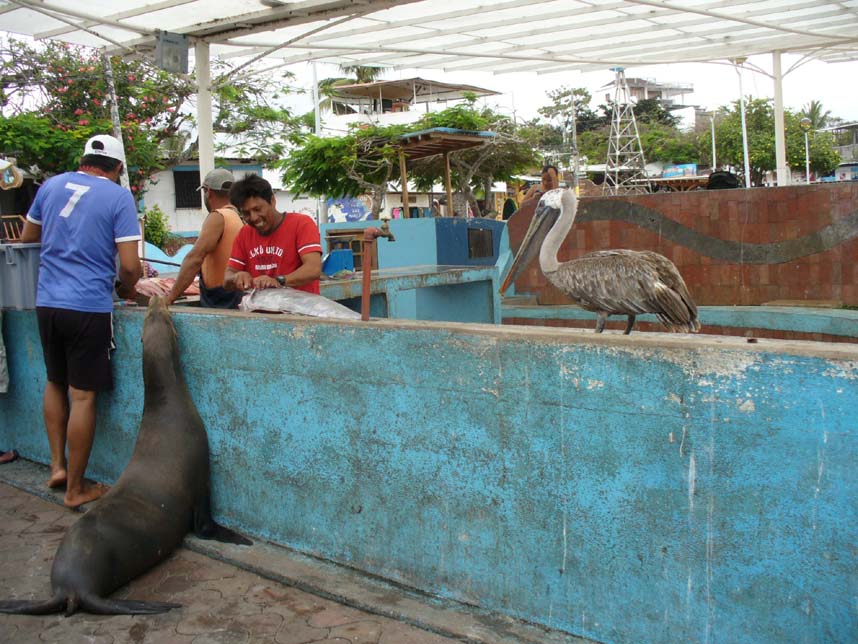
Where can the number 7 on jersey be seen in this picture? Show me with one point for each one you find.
(78, 191)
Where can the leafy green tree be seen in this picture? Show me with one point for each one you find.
(54, 96)
(593, 144)
(541, 135)
(471, 169)
(667, 144)
(157, 228)
(362, 162)
(367, 158)
(759, 116)
(570, 104)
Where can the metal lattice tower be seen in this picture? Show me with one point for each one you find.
(625, 171)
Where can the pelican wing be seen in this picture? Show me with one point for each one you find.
(610, 281)
(685, 315)
(669, 274)
(628, 282)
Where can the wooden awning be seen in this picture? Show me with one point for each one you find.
(441, 140)
(432, 142)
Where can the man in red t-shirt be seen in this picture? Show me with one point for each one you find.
(274, 248)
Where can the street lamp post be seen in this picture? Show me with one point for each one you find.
(712, 123)
(738, 62)
(806, 124)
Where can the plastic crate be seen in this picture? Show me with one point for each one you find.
(338, 260)
(19, 274)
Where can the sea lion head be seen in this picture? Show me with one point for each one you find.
(159, 334)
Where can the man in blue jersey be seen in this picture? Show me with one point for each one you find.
(83, 219)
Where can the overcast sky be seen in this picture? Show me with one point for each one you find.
(835, 85)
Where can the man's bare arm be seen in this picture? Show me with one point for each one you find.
(235, 280)
(210, 235)
(130, 269)
(309, 271)
(31, 233)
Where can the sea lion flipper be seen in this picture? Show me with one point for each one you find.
(102, 606)
(33, 606)
(205, 526)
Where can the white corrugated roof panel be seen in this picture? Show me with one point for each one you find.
(498, 36)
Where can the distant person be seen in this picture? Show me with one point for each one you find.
(83, 219)
(550, 181)
(275, 247)
(211, 251)
(509, 207)
(722, 180)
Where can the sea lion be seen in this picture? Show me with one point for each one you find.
(162, 494)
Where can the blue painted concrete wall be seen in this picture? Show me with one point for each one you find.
(649, 488)
(155, 255)
(430, 241)
(414, 245)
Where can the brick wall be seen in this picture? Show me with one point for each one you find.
(733, 247)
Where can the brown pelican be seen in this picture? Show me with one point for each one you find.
(607, 282)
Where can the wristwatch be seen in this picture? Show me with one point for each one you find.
(281, 279)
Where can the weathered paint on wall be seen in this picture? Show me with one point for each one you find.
(629, 489)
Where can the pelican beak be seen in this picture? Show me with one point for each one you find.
(544, 217)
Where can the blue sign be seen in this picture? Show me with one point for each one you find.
(349, 209)
(679, 170)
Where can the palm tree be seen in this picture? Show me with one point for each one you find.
(362, 74)
(355, 74)
(818, 118)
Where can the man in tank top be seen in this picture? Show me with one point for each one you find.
(210, 253)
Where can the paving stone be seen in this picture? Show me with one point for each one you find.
(265, 594)
(231, 635)
(366, 631)
(175, 584)
(400, 633)
(334, 615)
(46, 521)
(159, 636)
(299, 632)
(221, 604)
(87, 632)
(198, 601)
(16, 525)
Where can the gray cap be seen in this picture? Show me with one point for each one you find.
(218, 179)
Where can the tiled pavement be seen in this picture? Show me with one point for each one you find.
(220, 602)
(229, 594)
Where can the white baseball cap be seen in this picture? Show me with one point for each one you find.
(105, 145)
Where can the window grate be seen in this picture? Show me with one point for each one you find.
(186, 183)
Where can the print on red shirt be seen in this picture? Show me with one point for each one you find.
(278, 253)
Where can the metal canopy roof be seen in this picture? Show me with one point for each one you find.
(501, 36)
(417, 89)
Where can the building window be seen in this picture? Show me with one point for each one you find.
(186, 183)
(480, 243)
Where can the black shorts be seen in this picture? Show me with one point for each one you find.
(77, 347)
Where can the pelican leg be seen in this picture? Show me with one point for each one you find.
(600, 322)
(630, 325)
